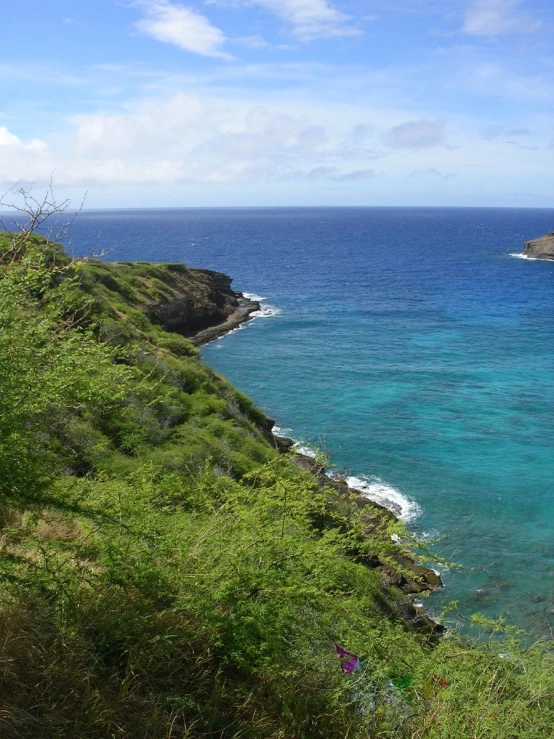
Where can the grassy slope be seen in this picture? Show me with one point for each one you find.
(185, 580)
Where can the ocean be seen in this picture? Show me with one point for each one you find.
(412, 347)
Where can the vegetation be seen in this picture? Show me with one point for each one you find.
(165, 573)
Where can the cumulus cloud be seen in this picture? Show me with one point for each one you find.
(149, 126)
(23, 160)
(34, 161)
(421, 134)
(495, 17)
(187, 138)
(9, 141)
(183, 27)
(267, 135)
(183, 138)
(310, 19)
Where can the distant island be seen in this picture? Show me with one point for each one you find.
(540, 248)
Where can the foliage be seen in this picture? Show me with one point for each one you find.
(50, 366)
(166, 574)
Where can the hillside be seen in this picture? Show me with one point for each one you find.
(168, 573)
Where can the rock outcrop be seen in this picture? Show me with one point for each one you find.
(540, 248)
(201, 306)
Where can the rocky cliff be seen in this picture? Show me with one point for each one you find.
(201, 305)
(540, 248)
(198, 304)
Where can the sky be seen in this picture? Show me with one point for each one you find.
(159, 103)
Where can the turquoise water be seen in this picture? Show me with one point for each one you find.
(414, 348)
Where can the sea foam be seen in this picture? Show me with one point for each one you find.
(279, 431)
(254, 296)
(265, 311)
(371, 487)
(307, 451)
(524, 256)
(375, 489)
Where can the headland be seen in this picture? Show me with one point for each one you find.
(540, 248)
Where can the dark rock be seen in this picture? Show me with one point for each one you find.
(390, 576)
(283, 444)
(541, 248)
(201, 306)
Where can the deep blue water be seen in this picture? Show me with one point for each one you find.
(412, 347)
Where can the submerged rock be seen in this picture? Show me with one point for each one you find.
(540, 248)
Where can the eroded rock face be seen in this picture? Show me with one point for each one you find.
(200, 299)
(201, 305)
(541, 248)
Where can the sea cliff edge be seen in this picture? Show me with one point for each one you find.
(407, 576)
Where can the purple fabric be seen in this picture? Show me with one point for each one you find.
(350, 665)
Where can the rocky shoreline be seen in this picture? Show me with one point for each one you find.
(241, 314)
(199, 304)
(409, 578)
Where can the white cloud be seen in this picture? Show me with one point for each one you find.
(182, 26)
(148, 126)
(12, 145)
(9, 141)
(268, 135)
(188, 138)
(23, 160)
(212, 141)
(310, 19)
(416, 135)
(494, 17)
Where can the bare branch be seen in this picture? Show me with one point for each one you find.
(43, 215)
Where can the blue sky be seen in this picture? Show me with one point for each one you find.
(152, 103)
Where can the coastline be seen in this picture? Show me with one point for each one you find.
(410, 578)
(531, 258)
(243, 313)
